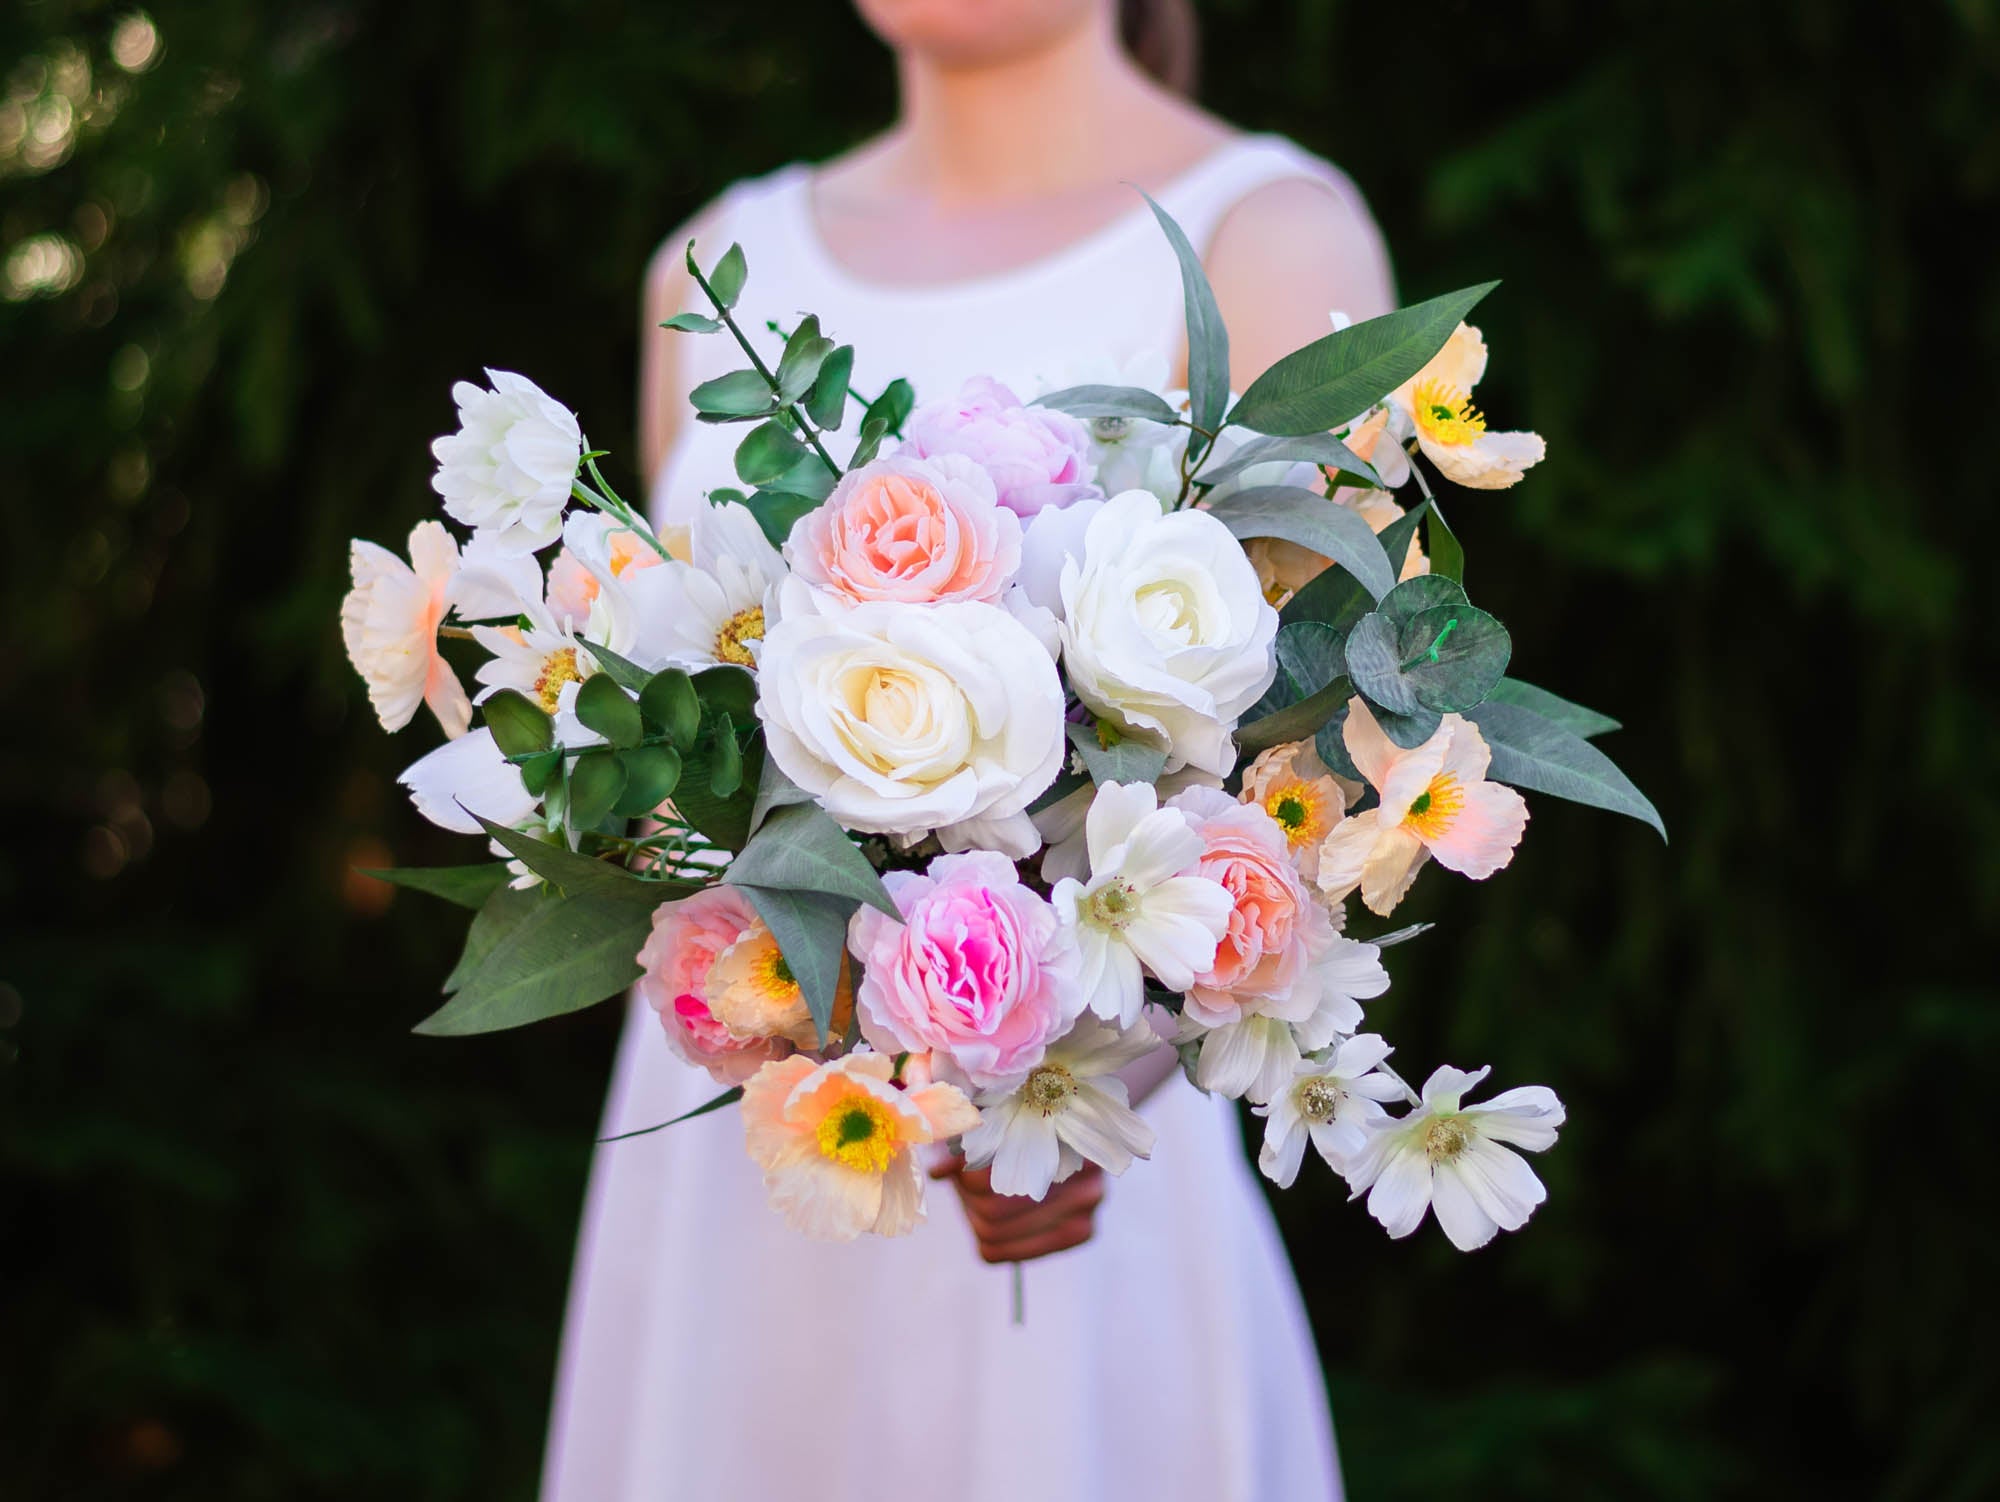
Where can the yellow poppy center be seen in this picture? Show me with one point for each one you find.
(732, 641)
(1445, 1137)
(1446, 414)
(558, 668)
(859, 1133)
(774, 976)
(1300, 810)
(1433, 810)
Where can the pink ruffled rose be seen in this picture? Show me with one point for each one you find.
(1037, 456)
(980, 976)
(921, 531)
(677, 956)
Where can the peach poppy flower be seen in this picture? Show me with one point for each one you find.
(1437, 402)
(752, 993)
(1435, 801)
(389, 622)
(835, 1139)
(1299, 791)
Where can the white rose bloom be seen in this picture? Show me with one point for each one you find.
(1071, 1109)
(1166, 629)
(507, 471)
(902, 719)
(1330, 1103)
(1456, 1159)
(1138, 909)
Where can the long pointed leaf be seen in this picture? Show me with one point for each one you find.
(1322, 449)
(468, 886)
(1312, 521)
(799, 847)
(811, 930)
(564, 954)
(1207, 339)
(1538, 754)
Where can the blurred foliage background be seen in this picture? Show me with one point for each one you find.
(259, 1242)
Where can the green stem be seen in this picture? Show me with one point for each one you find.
(1431, 653)
(569, 751)
(810, 433)
(1020, 1296)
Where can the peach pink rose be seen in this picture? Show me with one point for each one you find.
(1037, 456)
(687, 937)
(980, 975)
(922, 531)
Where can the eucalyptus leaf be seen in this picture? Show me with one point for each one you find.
(873, 430)
(808, 476)
(467, 886)
(1207, 338)
(805, 352)
(624, 672)
(767, 451)
(519, 727)
(691, 323)
(561, 954)
(538, 771)
(811, 930)
(1375, 663)
(1310, 655)
(1336, 378)
(777, 513)
(1407, 730)
(606, 708)
(669, 701)
(1330, 741)
(1572, 717)
(1454, 655)
(1322, 449)
(726, 281)
(725, 764)
(596, 781)
(1313, 522)
(1540, 755)
(1415, 595)
(893, 406)
(723, 822)
(741, 393)
(1335, 596)
(1300, 721)
(1124, 760)
(1134, 403)
(727, 690)
(799, 847)
(651, 775)
(826, 403)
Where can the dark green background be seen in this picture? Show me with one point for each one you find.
(259, 1242)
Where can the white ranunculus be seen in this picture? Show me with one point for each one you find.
(1166, 629)
(507, 471)
(902, 719)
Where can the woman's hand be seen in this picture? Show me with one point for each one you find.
(1013, 1228)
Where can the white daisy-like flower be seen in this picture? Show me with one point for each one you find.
(1072, 1109)
(1330, 1103)
(1141, 908)
(1456, 1159)
(465, 777)
(542, 661)
(712, 609)
(508, 469)
(389, 622)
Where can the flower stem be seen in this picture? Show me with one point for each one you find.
(798, 414)
(1020, 1295)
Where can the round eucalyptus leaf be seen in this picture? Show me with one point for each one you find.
(606, 708)
(519, 727)
(1375, 664)
(651, 774)
(669, 701)
(1419, 594)
(595, 783)
(1455, 654)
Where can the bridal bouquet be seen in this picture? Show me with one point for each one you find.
(974, 748)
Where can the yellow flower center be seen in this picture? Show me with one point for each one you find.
(774, 978)
(1434, 809)
(1113, 904)
(860, 1134)
(1445, 1137)
(1445, 413)
(1300, 810)
(558, 668)
(742, 628)
(1318, 1099)
(1047, 1089)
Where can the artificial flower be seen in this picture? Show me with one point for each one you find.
(676, 960)
(1037, 457)
(1072, 1109)
(979, 975)
(714, 608)
(1165, 629)
(901, 719)
(1330, 1103)
(751, 991)
(1434, 801)
(834, 1141)
(923, 531)
(1456, 1159)
(465, 777)
(389, 621)
(1291, 784)
(587, 577)
(508, 469)
(1436, 405)
(1141, 908)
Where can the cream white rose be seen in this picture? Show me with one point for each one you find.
(901, 719)
(1166, 629)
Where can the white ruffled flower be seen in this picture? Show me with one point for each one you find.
(465, 777)
(589, 579)
(1072, 1109)
(389, 622)
(508, 469)
(1166, 629)
(901, 719)
(1330, 1103)
(1140, 908)
(1456, 1159)
(716, 607)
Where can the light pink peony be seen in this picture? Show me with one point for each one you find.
(980, 975)
(923, 531)
(687, 936)
(1037, 456)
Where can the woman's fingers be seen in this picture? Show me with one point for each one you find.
(1013, 1228)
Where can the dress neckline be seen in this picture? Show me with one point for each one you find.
(798, 196)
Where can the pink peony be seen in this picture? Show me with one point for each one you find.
(923, 531)
(687, 937)
(980, 974)
(1037, 456)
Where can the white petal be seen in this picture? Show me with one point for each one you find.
(1458, 1210)
(1403, 1192)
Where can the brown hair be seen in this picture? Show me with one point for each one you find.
(1163, 39)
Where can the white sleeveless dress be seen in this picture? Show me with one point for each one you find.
(712, 1353)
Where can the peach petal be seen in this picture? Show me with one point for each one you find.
(1483, 833)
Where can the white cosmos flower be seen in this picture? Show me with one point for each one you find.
(1166, 629)
(465, 777)
(507, 471)
(389, 622)
(1456, 1159)
(1142, 908)
(542, 661)
(1071, 1109)
(714, 608)
(1330, 1103)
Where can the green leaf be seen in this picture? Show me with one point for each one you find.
(651, 774)
(798, 847)
(724, 822)
(1133, 403)
(595, 783)
(567, 871)
(1207, 339)
(1309, 652)
(725, 764)
(1312, 521)
(624, 672)
(1540, 755)
(1375, 663)
(497, 917)
(1572, 717)
(826, 403)
(726, 281)
(1322, 449)
(669, 701)
(811, 930)
(1413, 596)
(691, 323)
(727, 690)
(873, 430)
(728, 1097)
(606, 708)
(468, 886)
(893, 406)
(1330, 741)
(538, 771)
(1124, 760)
(774, 790)
(741, 393)
(519, 727)
(1335, 379)
(808, 477)
(766, 452)
(1335, 596)
(563, 953)
(1447, 557)
(777, 513)
(1295, 722)
(1456, 654)
(805, 352)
